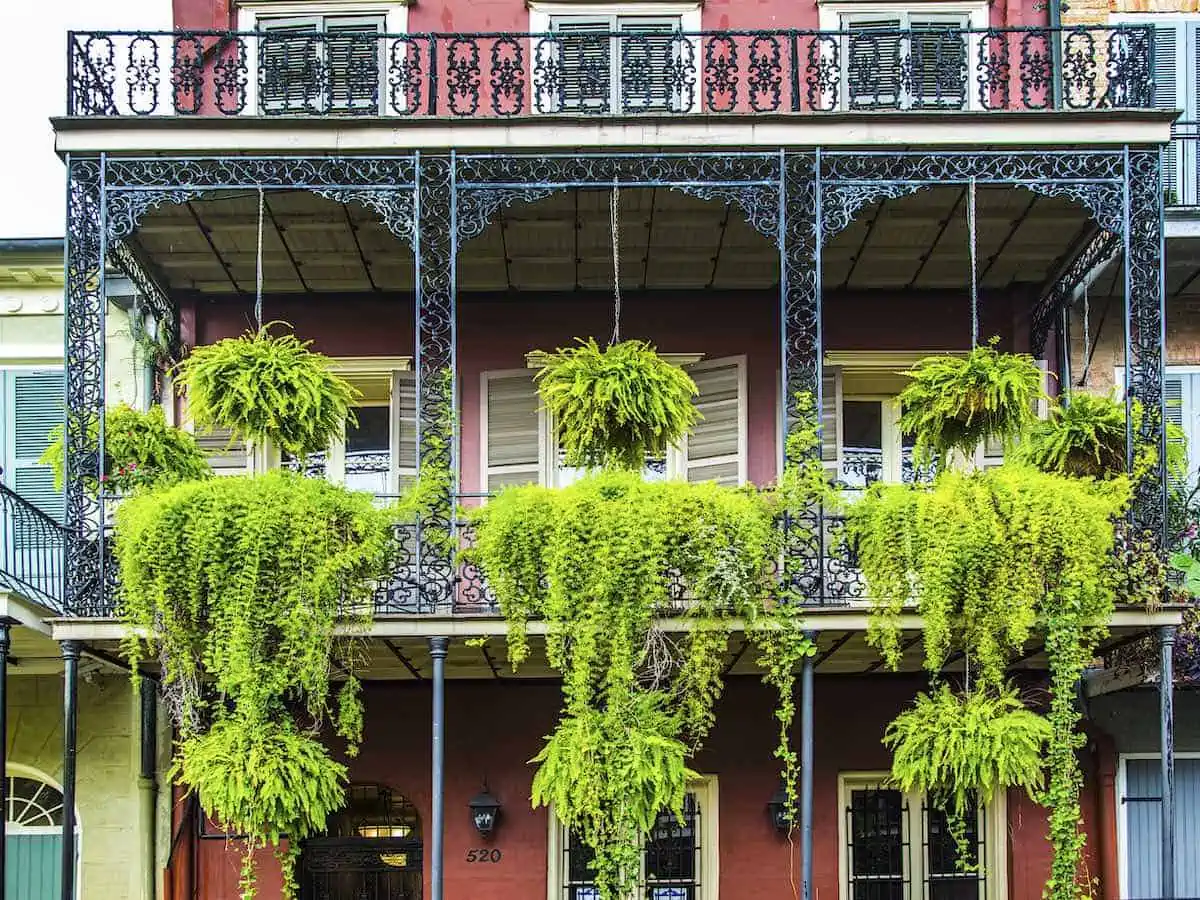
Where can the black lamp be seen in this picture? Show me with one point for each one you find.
(777, 809)
(485, 811)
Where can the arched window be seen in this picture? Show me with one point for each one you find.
(33, 813)
(371, 848)
(32, 804)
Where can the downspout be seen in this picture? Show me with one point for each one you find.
(806, 774)
(437, 652)
(70, 655)
(148, 789)
(1166, 722)
(1056, 11)
(6, 623)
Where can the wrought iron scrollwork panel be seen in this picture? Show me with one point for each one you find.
(393, 206)
(285, 172)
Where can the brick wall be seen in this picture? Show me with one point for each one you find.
(1107, 350)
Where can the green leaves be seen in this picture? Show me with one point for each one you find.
(618, 406)
(267, 388)
(954, 402)
(1084, 437)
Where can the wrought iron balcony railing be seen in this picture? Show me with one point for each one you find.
(507, 75)
(32, 551)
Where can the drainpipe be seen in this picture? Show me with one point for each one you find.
(806, 774)
(70, 655)
(437, 652)
(6, 623)
(1166, 721)
(1056, 11)
(148, 787)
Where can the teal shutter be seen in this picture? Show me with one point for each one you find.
(33, 867)
(35, 402)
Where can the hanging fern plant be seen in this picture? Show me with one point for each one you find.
(1083, 437)
(618, 406)
(140, 450)
(239, 585)
(267, 388)
(962, 748)
(954, 403)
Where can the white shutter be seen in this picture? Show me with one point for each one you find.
(354, 51)
(644, 74)
(585, 56)
(290, 66)
(1176, 393)
(225, 455)
(512, 430)
(938, 53)
(873, 55)
(404, 426)
(37, 403)
(1170, 76)
(831, 419)
(716, 448)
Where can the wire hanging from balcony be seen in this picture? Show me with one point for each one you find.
(614, 204)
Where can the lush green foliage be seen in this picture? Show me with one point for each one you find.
(240, 584)
(960, 748)
(597, 561)
(617, 406)
(953, 403)
(986, 557)
(267, 388)
(1085, 437)
(140, 450)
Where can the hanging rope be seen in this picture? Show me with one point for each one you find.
(258, 272)
(613, 205)
(974, 264)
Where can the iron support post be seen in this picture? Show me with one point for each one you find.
(148, 783)
(807, 670)
(1166, 719)
(70, 654)
(437, 652)
(6, 623)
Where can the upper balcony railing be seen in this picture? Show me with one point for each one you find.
(507, 75)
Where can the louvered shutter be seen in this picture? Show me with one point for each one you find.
(873, 56)
(512, 430)
(1169, 54)
(585, 73)
(938, 54)
(991, 452)
(1181, 412)
(831, 419)
(404, 426)
(646, 50)
(37, 404)
(716, 449)
(354, 52)
(225, 455)
(291, 67)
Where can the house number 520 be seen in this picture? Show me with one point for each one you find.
(483, 856)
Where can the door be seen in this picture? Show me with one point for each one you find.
(33, 840)
(1141, 809)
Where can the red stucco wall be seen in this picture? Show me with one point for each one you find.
(493, 728)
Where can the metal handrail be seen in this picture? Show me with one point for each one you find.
(32, 551)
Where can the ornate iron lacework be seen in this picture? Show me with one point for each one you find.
(1100, 248)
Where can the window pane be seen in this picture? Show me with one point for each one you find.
(671, 851)
(877, 844)
(368, 449)
(862, 442)
(947, 880)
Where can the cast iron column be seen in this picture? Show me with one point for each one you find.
(437, 652)
(70, 654)
(6, 623)
(806, 773)
(1166, 719)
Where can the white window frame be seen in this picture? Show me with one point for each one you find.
(1120, 788)
(993, 818)
(250, 15)
(890, 436)
(19, 770)
(543, 16)
(834, 15)
(707, 793)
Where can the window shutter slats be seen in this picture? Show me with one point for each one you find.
(225, 455)
(404, 412)
(585, 50)
(290, 65)
(1167, 40)
(938, 54)
(716, 448)
(353, 48)
(37, 408)
(831, 404)
(873, 55)
(646, 50)
(512, 452)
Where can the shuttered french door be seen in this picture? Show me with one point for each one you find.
(1141, 812)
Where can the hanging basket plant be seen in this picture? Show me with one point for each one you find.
(267, 388)
(615, 407)
(140, 450)
(954, 403)
(961, 748)
(1083, 437)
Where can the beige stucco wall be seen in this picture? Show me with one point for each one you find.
(107, 766)
(1095, 12)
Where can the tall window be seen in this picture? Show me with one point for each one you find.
(320, 64)
(898, 846)
(678, 861)
(905, 60)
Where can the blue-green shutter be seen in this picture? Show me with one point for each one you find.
(33, 867)
(35, 401)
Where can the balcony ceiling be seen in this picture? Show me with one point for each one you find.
(668, 241)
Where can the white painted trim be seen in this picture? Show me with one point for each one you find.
(30, 356)
(572, 134)
(1120, 787)
(28, 613)
(395, 21)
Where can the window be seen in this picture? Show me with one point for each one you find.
(319, 64)
(898, 846)
(601, 60)
(34, 826)
(1139, 828)
(898, 57)
(1176, 86)
(1181, 396)
(516, 435)
(679, 861)
(31, 404)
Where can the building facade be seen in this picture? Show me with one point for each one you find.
(786, 197)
